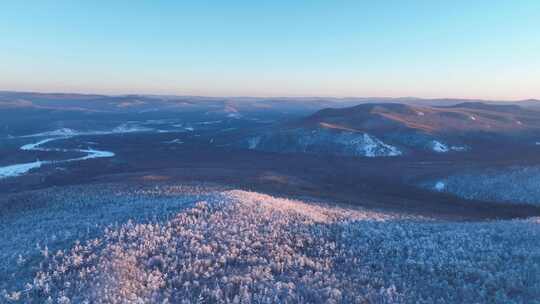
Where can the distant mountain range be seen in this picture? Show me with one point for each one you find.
(370, 127)
(394, 129)
(455, 119)
(155, 103)
(148, 103)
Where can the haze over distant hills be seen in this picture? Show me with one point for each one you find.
(356, 126)
(141, 103)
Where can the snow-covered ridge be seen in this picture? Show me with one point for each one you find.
(511, 185)
(323, 141)
(347, 143)
(222, 249)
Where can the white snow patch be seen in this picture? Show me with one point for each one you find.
(234, 115)
(128, 128)
(458, 148)
(184, 127)
(369, 146)
(439, 147)
(209, 122)
(66, 132)
(174, 141)
(374, 147)
(158, 121)
(439, 186)
(59, 132)
(254, 142)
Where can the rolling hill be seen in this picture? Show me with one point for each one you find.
(394, 129)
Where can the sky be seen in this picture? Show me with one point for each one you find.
(433, 49)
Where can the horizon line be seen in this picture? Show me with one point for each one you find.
(87, 93)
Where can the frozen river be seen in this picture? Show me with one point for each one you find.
(20, 169)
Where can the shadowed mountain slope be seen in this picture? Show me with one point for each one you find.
(393, 129)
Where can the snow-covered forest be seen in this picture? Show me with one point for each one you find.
(200, 243)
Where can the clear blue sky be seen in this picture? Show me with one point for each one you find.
(471, 49)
